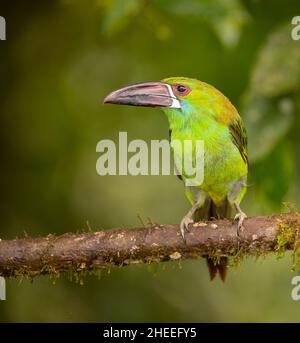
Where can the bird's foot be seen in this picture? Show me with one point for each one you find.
(239, 220)
(184, 225)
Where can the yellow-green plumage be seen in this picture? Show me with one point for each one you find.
(206, 114)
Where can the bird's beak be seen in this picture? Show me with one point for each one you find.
(148, 94)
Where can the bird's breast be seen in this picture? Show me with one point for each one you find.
(222, 161)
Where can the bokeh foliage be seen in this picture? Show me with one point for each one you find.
(59, 61)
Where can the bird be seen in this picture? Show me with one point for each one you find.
(195, 111)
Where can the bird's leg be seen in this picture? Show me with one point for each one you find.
(188, 218)
(239, 218)
(235, 197)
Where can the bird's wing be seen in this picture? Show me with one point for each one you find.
(239, 137)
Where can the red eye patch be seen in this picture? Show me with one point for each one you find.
(181, 89)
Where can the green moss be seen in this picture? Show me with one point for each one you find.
(237, 256)
(288, 238)
(284, 239)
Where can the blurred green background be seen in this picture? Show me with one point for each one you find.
(59, 61)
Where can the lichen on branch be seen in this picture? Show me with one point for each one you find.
(77, 253)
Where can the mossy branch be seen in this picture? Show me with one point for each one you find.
(158, 243)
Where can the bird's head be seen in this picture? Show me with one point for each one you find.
(179, 97)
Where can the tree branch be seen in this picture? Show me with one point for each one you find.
(158, 243)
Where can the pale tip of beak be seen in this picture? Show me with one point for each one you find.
(107, 99)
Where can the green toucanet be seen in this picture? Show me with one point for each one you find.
(198, 111)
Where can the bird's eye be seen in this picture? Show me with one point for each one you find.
(181, 90)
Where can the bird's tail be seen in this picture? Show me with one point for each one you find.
(207, 212)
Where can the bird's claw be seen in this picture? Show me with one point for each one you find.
(184, 225)
(239, 220)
